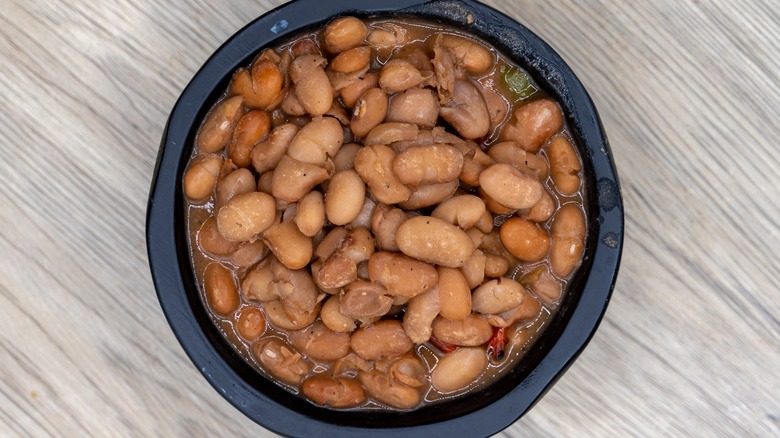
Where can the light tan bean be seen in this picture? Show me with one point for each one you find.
(497, 105)
(464, 211)
(524, 239)
(344, 33)
(291, 105)
(250, 129)
(265, 182)
(293, 179)
(218, 127)
(565, 166)
(365, 301)
(510, 187)
(467, 111)
(474, 269)
(333, 318)
(374, 165)
(459, 369)
(201, 177)
(533, 123)
(248, 253)
(542, 210)
(400, 274)
(370, 110)
(292, 248)
(420, 313)
(523, 314)
(444, 67)
(399, 75)
(388, 390)
(416, 105)
(336, 392)
(345, 158)
(330, 243)
(434, 164)
(391, 132)
(246, 215)
(468, 332)
(435, 241)
(470, 55)
(235, 183)
(263, 86)
(495, 265)
(492, 205)
(454, 294)
(281, 360)
(312, 86)
(211, 241)
(221, 292)
(317, 141)
(496, 296)
(318, 342)
(277, 315)
(381, 340)
(384, 223)
(544, 285)
(485, 223)
(474, 162)
(256, 285)
(351, 60)
(251, 323)
(352, 92)
(510, 152)
(363, 218)
(429, 194)
(568, 239)
(340, 268)
(266, 155)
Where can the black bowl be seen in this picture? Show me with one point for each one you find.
(481, 413)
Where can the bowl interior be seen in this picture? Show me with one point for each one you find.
(501, 402)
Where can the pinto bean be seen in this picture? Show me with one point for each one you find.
(370, 110)
(363, 218)
(364, 300)
(333, 318)
(233, 184)
(256, 285)
(345, 197)
(317, 141)
(248, 253)
(216, 130)
(485, 223)
(400, 274)
(391, 132)
(474, 162)
(381, 340)
(429, 194)
(330, 243)
(565, 166)
(533, 123)
(277, 315)
(459, 369)
(444, 67)
(345, 157)
(289, 245)
(351, 93)
(263, 86)
(544, 285)
(267, 154)
(221, 292)
(467, 111)
(291, 105)
(384, 223)
(310, 214)
(281, 360)
(336, 392)
(420, 313)
(389, 391)
(251, 323)
(246, 215)
(523, 314)
(454, 293)
(293, 179)
(464, 211)
(399, 75)
(471, 331)
(343, 34)
(542, 210)
(415, 105)
(435, 241)
(250, 129)
(469, 55)
(510, 187)
(351, 60)
(494, 206)
(434, 164)
(201, 177)
(340, 268)
(524, 239)
(495, 265)
(497, 106)
(211, 241)
(496, 296)
(510, 152)
(568, 239)
(312, 86)
(318, 342)
(374, 165)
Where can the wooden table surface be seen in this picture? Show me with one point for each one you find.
(689, 96)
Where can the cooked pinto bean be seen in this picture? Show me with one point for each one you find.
(391, 132)
(331, 242)
(384, 223)
(251, 323)
(201, 177)
(248, 253)
(310, 214)
(467, 111)
(468, 332)
(510, 187)
(495, 265)
(542, 210)
(429, 194)
(435, 241)
(510, 152)
(281, 361)
(246, 215)
(293, 179)
(524, 239)
(565, 166)
(345, 197)
(233, 184)
(401, 275)
(345, 158)
(344, 33)
(267, 154)
(381, 340)
(280, 317)
(216, 131)
(434, 164)
(370, 110)
(420, 313)
(351, 93)
(336, 392)
(256, 285)
(374, 164)
(211, 240)
(389, 391)
(221, 292)
(333, 318)
(340, 268)
(351, 60)
(533, 123)
(459, 369)
(289, 245)
(399, 75)
(543, 284)
(364, 300)
(263, 86)
(454, 293)
(312, 86)
(525, 313)
(320, 343)
(416, 105)
(469, 55)
(250, 129)
(568, 239)
(497, 296)
(318, 141)
(464, 211)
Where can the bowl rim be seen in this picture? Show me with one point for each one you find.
(163, 235)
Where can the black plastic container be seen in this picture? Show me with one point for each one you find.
(481, 413)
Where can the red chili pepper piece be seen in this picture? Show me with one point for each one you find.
(446, 347)
(497, 342)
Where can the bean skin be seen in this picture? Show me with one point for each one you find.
(281, 360)
(467, 112)
(565, 166)
(336, 392)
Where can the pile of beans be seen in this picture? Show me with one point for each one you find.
(377, 218)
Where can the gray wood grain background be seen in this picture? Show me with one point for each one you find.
(689, 96)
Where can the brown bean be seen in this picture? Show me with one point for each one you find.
(468, 332)
(317, 141)
(277, 315)
(386, 37)
(333, 318)
(370, 110)
(467, 111)
(434, 164)
(336, 392)
(420, 313)
(523, 314)
(256, 285)
(340, 267)
(496, 296)
(497, 106)
(291, 105)
(459, 369)
(389, 391)
(312, 86)
(363, 218)
(435, 241)
(544, 285)
(399, 75)
(235, 183)
(251, 323)
(216, 130)
(464, 211)
(533, 123)
(246, 215)
(429, 194)
(495, 265)
(400, 274)
(381, 340)
(374, 165)
(330, 243)
(524, 239)
(281, 360)
(454, 294)
(409, 370)
(344, 33)
(416, 105)
(211, 241)
(493, 206)
(391, 132)
(310, 215)
(293, 179)
(221, 292)
(474, 269)
(248, 253)
(250, 129)
(264, 183)
(201, 177)
(485, 223)
(568, 239)
(565, 166)
(345, 157)
(318, 342)
(510, 187)
(352, 92)
(351, 60)
(262, 86)
(384, 223)
(470, 55)
(266, 155)
(292, 248)
(365, 301)
(510, 152)
(444, 67)
(542, 210)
